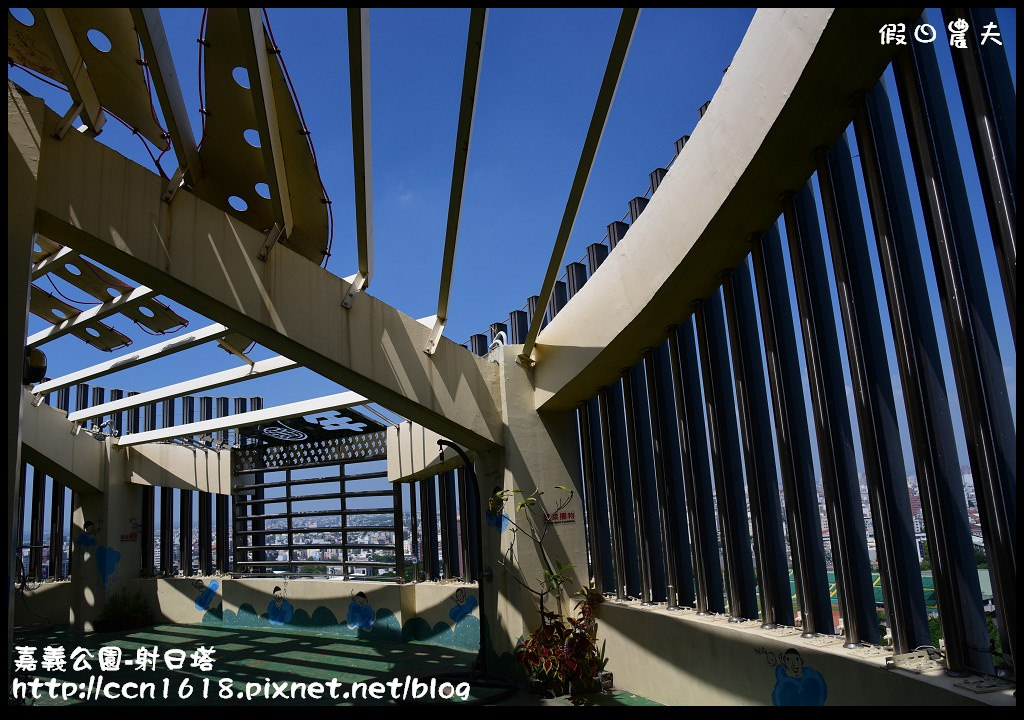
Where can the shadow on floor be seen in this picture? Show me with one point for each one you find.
(263, 663)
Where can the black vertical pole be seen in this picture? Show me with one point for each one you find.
(597, 253)
(117, 419)
(831, 421)
(636, 206)
(414, 528)
(616, 232)
(666, 525)
(518, 326)
(981, 384)
(917, 357)
(884, 470)
(475, 512)
(589, 500)
(990, 104)
(465, 535)
(798, 485)
(575, 277)
(447, 569)
(700, 507)
(758, 451)
(725, 456)
(56, 530)
(638, 491)
(430, 534)
(611, 491)
(35, 553)
(399, 524)
(559, 297)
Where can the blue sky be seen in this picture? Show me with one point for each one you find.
(541, 71)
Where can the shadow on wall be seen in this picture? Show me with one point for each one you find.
(361, 620)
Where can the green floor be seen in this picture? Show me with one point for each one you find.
(259, 656)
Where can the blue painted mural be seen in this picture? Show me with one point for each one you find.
(279, 611)
(360, 614)
(360, 621)
(106, 563)
(207, 595)
(795, 683)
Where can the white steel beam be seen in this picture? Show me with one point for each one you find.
(603, 106)
(110, 307)
(262, 368)
(168, 91)
(362, 152)
(338, 401)
(470, 81)
(46, 264)
(258, 64)
(169, 347)
(72, 68)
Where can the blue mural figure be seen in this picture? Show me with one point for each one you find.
(494, 517)
(360, 614)
(207, 595)
(463, 605)
(87, 538)
(796, 684)
(279, 611)
(106, 562)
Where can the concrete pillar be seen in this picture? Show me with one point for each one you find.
(24, 140)
(106, 539)
(540, 453)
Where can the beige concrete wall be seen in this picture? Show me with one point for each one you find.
(47, 603)
(413, 453)
(681, 659)
(76, 460)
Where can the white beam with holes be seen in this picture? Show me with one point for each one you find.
(72, 67)
(47, 263)
(258, 64)
(169, 347)
(263, 368)
(339, 401)
(110, 307)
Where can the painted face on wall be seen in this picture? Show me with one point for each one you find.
(91, 528)
(460, 596)
(793, 663)
(360, 599)
(278, 597)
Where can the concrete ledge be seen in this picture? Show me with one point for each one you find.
(785, 94)
(177, 466)
(680, 658)
(413, 453)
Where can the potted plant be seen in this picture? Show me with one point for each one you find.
(561, 656)
(124, 611)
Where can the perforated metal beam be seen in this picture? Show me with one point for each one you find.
(110, 307)
(211, 332)
(72, 68)
(338, 401)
